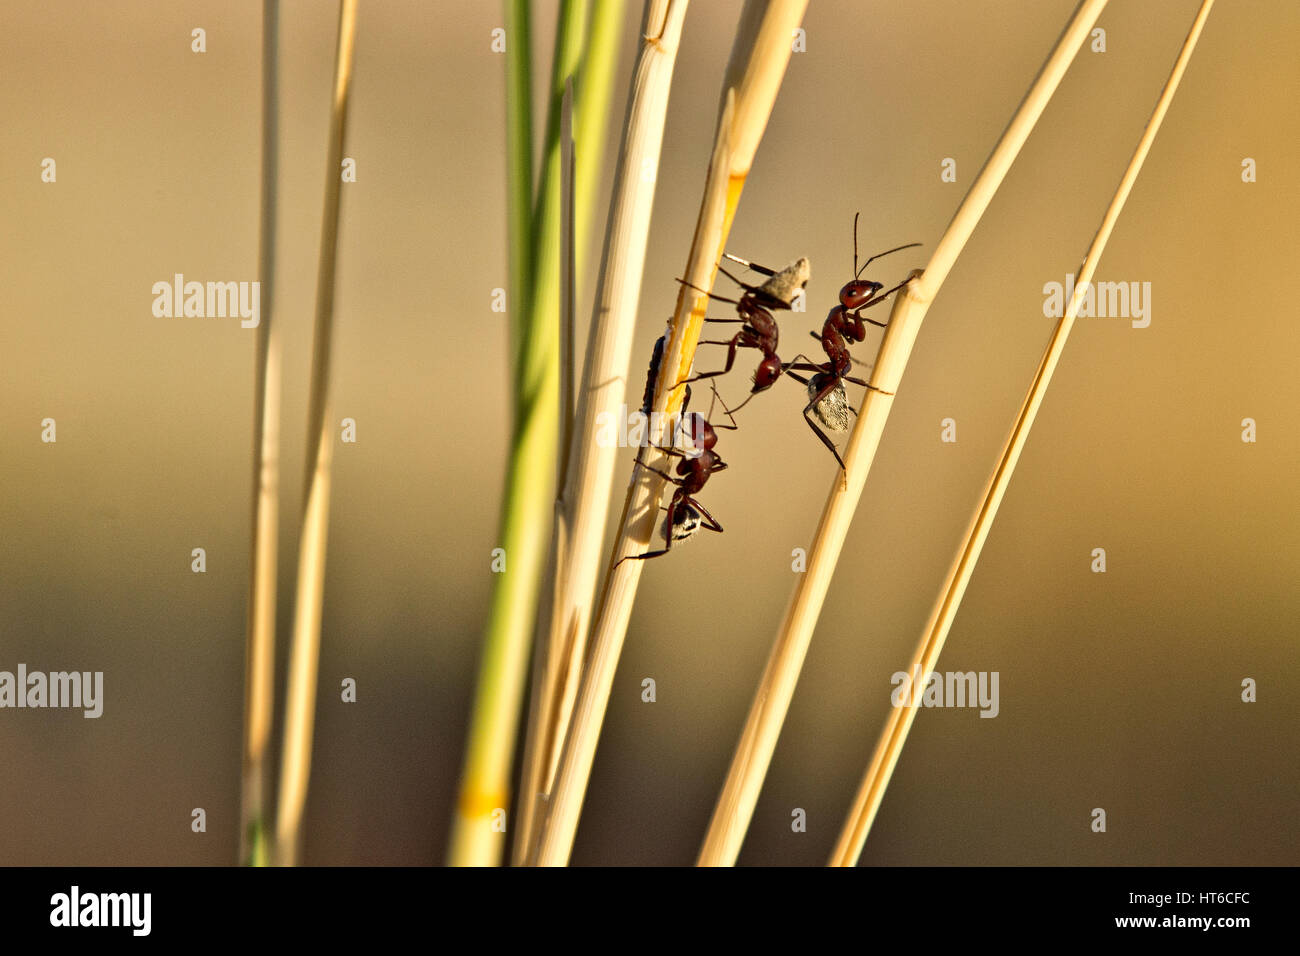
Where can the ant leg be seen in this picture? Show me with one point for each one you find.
(825, 390)
(858, 381)
(642, 557)
(822, 435)
(672, 450)
(667, 450)
(806, 365)
(661, 474)
(707, 520)
(791, 363)
(727, 411)
(731, 360)
(678, 497)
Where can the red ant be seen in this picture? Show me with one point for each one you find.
(758, 329)
(844, 324)
(685, 514)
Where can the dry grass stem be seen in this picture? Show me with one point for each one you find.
(259, 648)
(753, 755)
(295, 765)
(758, 62)
(568, 280)
(584, 494)
(529, 498)
(872, 790)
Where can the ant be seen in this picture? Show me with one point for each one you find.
(844, 324)
(685, 514)
(758, 326)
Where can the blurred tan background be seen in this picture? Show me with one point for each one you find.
(1119, 691)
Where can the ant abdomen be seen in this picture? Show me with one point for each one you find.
(682, 523)
(833, 409)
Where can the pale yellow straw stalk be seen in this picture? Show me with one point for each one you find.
(300, 713)
(584, 55)
(872, 791)
(753, 754)
(583, 502)
(759, 58)
(259, 648)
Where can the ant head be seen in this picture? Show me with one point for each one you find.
(696, 428)
(857, 293)
(767, 373)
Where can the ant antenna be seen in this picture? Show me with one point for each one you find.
(910, 245)
(732, 278)
(856, 271)
(762, 270)
(732, 411)
(717, 298)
